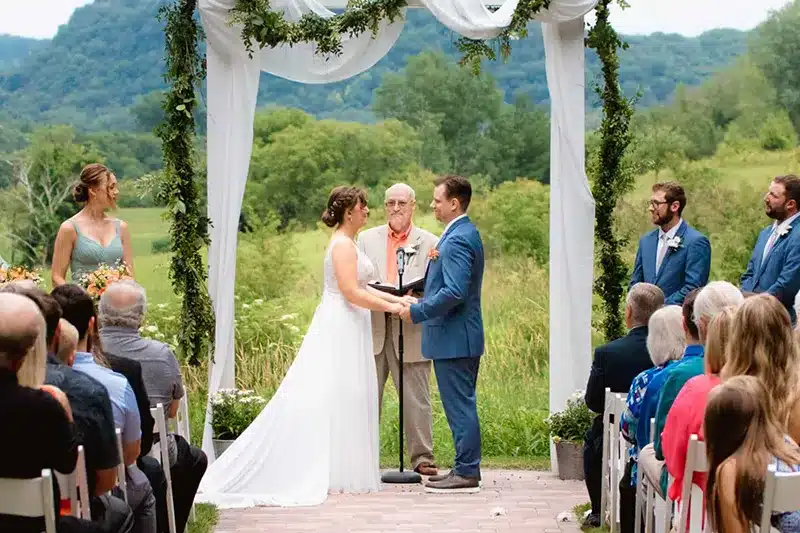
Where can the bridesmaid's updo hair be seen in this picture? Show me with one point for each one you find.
(341, 200)
(91, 176)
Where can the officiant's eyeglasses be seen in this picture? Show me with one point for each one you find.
(395, 203)
(656, 203)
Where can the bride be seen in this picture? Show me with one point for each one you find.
(319, 432)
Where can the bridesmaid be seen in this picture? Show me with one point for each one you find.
(92, 237)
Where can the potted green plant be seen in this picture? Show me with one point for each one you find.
(232, 411)
(567, 429)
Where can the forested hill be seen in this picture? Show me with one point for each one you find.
(14, 50)
(111, 52)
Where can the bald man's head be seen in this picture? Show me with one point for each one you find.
(123, 304)
(47, 305)
(21, 325)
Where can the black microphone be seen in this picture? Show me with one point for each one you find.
(401, 261)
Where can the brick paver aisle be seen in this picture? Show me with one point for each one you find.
(512, 501)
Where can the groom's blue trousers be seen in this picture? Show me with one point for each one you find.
(457, 380)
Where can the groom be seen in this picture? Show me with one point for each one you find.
(453, 328)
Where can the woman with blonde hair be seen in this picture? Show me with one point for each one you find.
(762, 344)
(91, 237)
(685, 417)
(743, 438)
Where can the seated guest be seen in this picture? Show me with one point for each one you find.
(649, 401)
(763, 345)
(150, 467)
(78, 309)
(67, 341)
(710, 301)
(615, 365)
(94, 421)
(665, 344)
(38, 420)
(743, 437)
(122, 309)
(685, 418)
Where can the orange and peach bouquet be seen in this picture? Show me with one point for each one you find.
(9, 274)
(98, 281)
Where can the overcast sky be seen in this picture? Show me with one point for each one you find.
(41, 18)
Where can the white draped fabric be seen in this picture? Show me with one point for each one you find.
(232, 87)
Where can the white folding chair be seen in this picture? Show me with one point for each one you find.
(182, 428)
(619, 457)
(162, 455)
(691, 494)
(75, 488)
(121, 468)
(651, 497)
(30, 498)
(781, 495)
(648, 489)
(182, 420)
(83, 484)
(641, 494)
(605, 476)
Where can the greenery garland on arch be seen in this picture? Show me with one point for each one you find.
(612, 177)
(185, 68)
(267, 28)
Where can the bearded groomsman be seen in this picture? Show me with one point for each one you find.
(774, 267)
(675, 257)
(380, 244)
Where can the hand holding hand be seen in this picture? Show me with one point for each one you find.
(409, 300)
(405, 314)
(396, 308)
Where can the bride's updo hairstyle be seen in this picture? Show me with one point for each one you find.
(341, 200)
(92, 176)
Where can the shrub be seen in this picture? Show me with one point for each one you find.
(777, 132)
(160, 245)
(513, 219)
(268, 266)
(572, 423)
(232, 411)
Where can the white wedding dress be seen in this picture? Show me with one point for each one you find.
(319, 432)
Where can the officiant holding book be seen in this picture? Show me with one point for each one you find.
(381, 245)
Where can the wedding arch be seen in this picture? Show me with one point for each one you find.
(304, 41)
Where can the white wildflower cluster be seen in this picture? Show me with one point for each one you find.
(246, 396)
(578, 395)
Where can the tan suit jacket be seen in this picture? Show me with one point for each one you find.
(373, 243)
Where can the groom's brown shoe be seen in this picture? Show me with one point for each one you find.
(440, 477)
(454, 483)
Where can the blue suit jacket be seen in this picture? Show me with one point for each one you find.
(779, 275)
(451, 308)
(682, 270)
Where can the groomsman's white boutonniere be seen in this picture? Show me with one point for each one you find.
(674, 242)
(411, 251)
(784, 231)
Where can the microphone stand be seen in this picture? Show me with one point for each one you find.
(401, 476)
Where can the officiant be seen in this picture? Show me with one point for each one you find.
(381, 244)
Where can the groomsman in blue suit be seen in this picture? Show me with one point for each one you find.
(675, 257)
(774, 267)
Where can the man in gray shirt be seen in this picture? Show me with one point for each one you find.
(122, 310)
